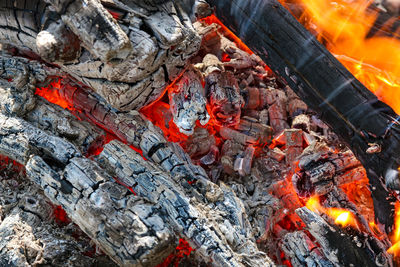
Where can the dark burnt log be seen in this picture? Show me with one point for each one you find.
(327, 87)
(349, 250)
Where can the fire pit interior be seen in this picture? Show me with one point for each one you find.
(199, 133)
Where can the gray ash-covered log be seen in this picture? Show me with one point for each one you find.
(35, 232)
(128, 62)
(224, 239)
(86, 191)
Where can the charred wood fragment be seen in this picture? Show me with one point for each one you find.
(320, 170)
(222, 90)
(188, 103)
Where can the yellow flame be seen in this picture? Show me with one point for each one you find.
(341, 217)
(344, 26)
(395, 238)
(395, 249)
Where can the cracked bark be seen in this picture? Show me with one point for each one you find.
(128, 62)
(131, 229)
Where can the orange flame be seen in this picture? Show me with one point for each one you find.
(395, 238)
(343, 26)
(341, 217)
(52, 94)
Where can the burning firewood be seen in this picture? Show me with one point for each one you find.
(359, 251)
(165, 140)
(356, 115)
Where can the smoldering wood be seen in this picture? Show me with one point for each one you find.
(222, 90)
(357, 250)
(320, 170)
(150, 60)
(71, 190)
(130, 127)
(353, 112)
(188, 102)
(256, 213)
(23, 139)
(224, 242)
(77, 184)
(128, 228)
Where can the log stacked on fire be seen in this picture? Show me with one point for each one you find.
(221, 153)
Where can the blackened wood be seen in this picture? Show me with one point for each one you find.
(354, 113)
(348, 250)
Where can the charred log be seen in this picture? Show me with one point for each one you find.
(357, 251)
(354, 113)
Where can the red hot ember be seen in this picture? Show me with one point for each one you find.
(224, 111)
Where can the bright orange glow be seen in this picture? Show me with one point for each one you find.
(395, 238)
(341, 217)
(343, 26)
(359, 193)
(160, 115)
(377, 232)
(52, 94)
